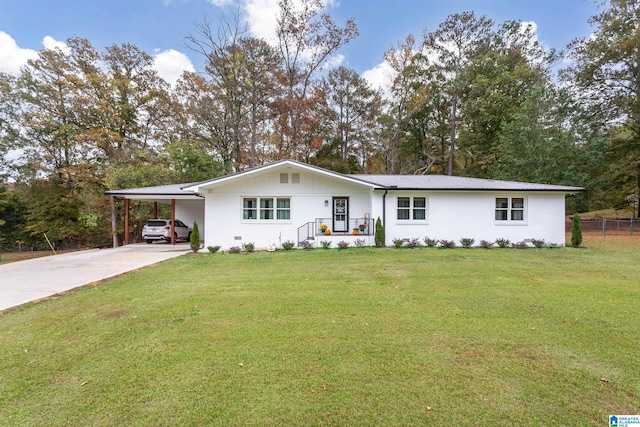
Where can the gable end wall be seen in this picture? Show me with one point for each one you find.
(224, 207)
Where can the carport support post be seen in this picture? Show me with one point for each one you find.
(155, 209)
(173, 221)
(126, 221)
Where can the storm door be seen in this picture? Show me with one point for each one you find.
(341, 214)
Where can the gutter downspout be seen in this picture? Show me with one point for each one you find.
(384, 208)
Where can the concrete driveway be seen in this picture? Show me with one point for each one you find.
(33, 279)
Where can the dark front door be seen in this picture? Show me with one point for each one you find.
(341, 214)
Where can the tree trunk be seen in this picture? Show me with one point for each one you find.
(254, 130)
(114, 222)
(452, 145)
(637, 204)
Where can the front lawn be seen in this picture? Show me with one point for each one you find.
(326, 337)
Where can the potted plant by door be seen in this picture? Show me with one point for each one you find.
(323, 228)
(361, 228)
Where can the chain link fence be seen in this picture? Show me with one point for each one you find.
(608, 227)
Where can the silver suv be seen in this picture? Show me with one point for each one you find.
(160, 229)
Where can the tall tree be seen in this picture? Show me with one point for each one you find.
(415, 126)
(52, 115)
(208, 124)
(468, 81)
(52, 209)
(401, 60)
(352, 110)
(426, 125)
(84, 107)
(496, 83)
(606, 74)
(307, 38)
(261, 70)
(11, 216)
(536, 145)
(191, 162)
(224, 71)
(135, 100)
(87, 116)
(454, 44)
(240, 82)
(8, 120)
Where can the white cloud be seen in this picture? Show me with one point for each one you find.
(380, 77)
(261, 16)
(12, 57)
(170, 64)
(50, 43)
(334, 61)
(221, 3)
(526, 25)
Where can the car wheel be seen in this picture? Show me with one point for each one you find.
(149, 241)
(189, 237)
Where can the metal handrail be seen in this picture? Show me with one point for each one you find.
(305, 232)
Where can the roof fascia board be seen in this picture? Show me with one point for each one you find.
(511, 190)
(137, 196)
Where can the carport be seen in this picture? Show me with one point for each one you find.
(166, 194)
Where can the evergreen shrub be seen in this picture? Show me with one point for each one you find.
(379, 237)
(194, 239)
(288, 245)
(398, 243)
(467, 242)
(576, 232)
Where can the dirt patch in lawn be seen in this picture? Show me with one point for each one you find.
(7, 257)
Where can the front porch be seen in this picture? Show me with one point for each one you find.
(323, 229)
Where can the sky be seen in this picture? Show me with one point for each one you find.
(159, 27)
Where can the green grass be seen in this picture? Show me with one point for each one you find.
(608, 213)
(327, 337)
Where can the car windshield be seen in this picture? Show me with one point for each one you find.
(157, 223)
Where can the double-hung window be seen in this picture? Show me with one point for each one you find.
(250, 208)
(283, 208)
(412, 208)
(419, 208)
(266, 208)
(510, 209)
(404, 208)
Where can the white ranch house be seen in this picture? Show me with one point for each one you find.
(291, 201)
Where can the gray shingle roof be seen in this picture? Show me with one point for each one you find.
(444, 182)
(416, 182)
(400, 182)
